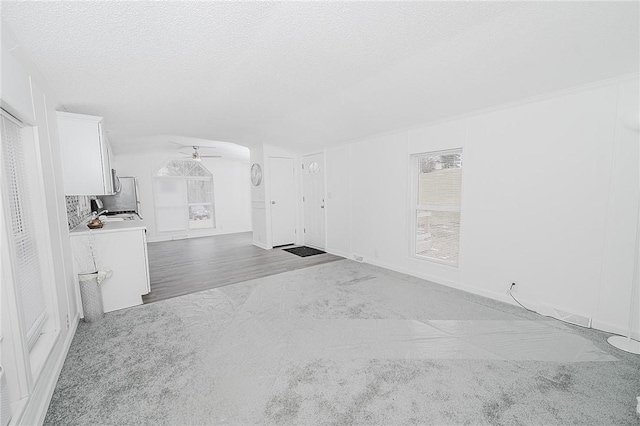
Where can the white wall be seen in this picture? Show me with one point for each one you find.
(550, 191)
(231, 187)
(338, 200)
(32, 375)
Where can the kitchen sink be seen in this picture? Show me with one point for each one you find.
(117, 217)
(124, 216)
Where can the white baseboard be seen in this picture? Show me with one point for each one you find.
(339, 253)
(614, 329)
(171, 237)
(502, 297)
(262, 246)
(38, 404)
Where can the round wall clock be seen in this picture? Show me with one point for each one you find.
(256, 174)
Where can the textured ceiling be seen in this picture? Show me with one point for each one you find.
(302, 75)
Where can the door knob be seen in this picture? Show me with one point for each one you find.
(322, 207)
(273, 202)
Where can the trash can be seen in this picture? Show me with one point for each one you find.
(91, 296)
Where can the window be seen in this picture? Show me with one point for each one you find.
(437, 201)
(22, 234)
(184, 196)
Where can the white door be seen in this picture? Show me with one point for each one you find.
(313, 184)
(283, 205)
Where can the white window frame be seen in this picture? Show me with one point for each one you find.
(35, 346)
(210, 203)
(415, 207)
(188, 224)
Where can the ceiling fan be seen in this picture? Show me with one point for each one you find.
(196, 156)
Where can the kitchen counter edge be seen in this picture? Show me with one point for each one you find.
(118, 226)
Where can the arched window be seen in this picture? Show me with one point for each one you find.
(183, 196)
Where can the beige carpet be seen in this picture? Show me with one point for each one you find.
(341, 343)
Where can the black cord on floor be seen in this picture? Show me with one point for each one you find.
(513, 297)
(531, 310)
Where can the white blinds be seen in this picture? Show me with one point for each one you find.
(25, 245)
(439, 187)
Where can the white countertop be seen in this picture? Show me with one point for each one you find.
(116, 226)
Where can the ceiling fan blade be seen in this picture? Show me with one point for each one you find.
(211, 156)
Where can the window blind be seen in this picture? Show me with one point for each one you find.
(25, 243)
(438, 199)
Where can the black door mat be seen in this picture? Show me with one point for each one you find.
(304, 251)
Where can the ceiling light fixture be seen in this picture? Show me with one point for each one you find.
(196, 154)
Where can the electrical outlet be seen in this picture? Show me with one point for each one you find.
(67, 321)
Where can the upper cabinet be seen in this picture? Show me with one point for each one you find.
(86, 156)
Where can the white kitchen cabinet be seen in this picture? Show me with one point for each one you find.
(86, 155)
(120, 247)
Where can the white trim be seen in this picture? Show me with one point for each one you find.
(339, 253)
(146, 263)
(500, 297)
(171, 237)
(51, 295)
(496, 296)
(262, 246)
(418, 258)
(74, 115)
(6, 114)
(34, 333)
(36, 408)
(613, 328)
(39, 354)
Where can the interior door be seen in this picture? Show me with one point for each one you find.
(283, 207)
(314, 211)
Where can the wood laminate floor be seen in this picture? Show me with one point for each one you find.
(187, 266)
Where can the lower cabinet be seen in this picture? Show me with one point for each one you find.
(123, 252)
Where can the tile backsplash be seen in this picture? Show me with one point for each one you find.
(78, 209)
